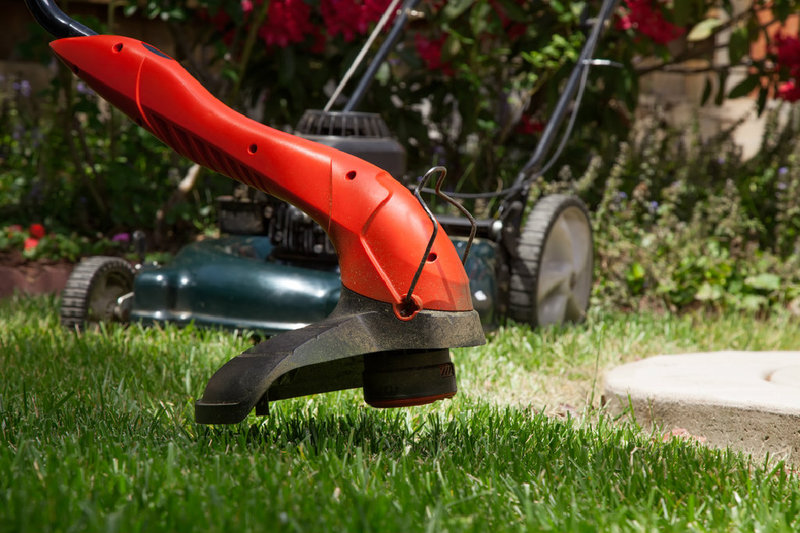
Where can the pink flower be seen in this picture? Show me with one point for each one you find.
(624, 23)
(247, 6)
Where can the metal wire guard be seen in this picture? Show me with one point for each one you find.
(442, 174)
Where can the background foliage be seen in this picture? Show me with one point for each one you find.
(679, 220)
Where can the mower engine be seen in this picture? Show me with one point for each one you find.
(364, 135)
(294, 235)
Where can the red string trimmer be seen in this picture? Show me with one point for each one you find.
(405, 298)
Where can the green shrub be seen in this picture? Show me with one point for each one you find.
(680, 222)
(71, 162)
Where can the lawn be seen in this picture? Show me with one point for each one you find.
(97, 434)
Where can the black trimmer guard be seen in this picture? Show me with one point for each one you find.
(362, 344)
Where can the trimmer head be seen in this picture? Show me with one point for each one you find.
(362, 344)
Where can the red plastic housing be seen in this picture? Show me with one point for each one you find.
(379, 229)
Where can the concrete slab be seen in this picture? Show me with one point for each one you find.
(748, 401)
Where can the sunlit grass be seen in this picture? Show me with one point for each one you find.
(561, 368)
(97, 434)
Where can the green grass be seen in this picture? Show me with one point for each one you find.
(97, 434)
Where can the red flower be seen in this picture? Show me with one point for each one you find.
(341, 17)
(319, 42)
(430, 50)
(14, 229)
(30, 243)
(36, 231)
(288, 21)
(788, 49)
(646, 18)
(351, 17)
(222, 22)
(789, 91)
(528, 126)
(787, 52)
(372, 11)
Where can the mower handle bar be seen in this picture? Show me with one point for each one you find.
(55, 21)
(383, 51)
(534, 164)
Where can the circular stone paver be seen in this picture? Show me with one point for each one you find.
(748, 401)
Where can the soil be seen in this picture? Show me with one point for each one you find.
(18, 274)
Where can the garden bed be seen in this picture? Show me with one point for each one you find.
(18, 274)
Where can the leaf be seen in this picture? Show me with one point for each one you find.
(753, 302)
(764, 281)
(286, 72)
(723, 77)
(763, 94)
(513, 11)
(706, 92)
(708, 292)
(738, 45)
(745, 87)
(455, 8)
(230, 74)
(636, 272)
(451, 48)
(479, 17)
(782, 10)
(681, 11)
(703, 29)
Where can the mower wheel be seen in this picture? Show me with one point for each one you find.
(551, 279)
(98, 290)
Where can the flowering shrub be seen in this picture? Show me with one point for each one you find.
(69, 165)
(485, 71)
(470, 85)
(681, 223)
(647, 18)
(34, 243)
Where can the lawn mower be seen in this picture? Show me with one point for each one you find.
(383, 316)
(275, 270)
